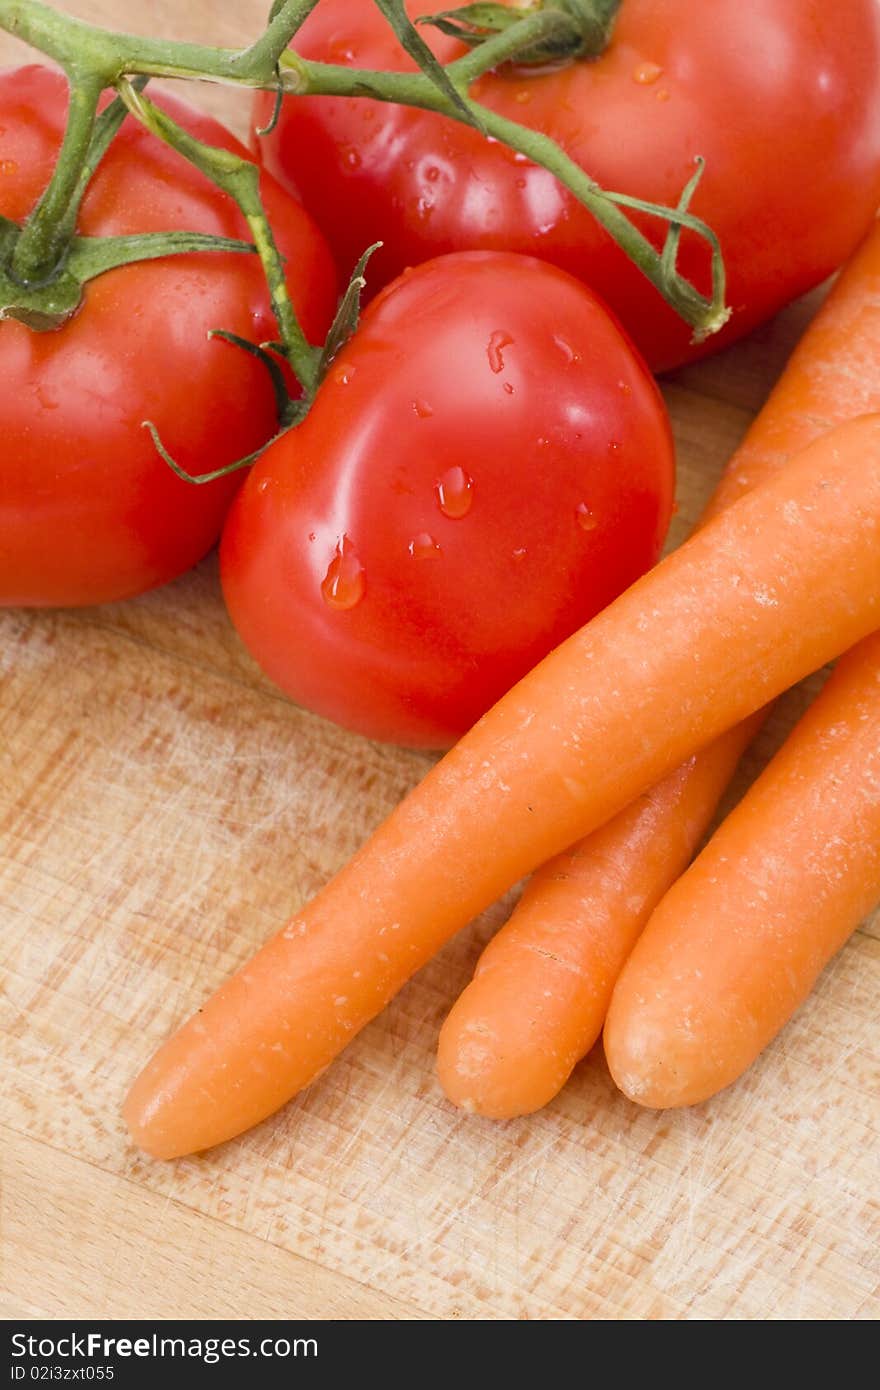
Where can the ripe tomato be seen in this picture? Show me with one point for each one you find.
(88, 510)
(780, 97)
(487, 465)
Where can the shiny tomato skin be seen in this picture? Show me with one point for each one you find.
(88, 510)
(780, 97)
(505, 382)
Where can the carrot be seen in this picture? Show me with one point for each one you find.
(722, 625)
(541, 989)
(540, 994)
(737, 944)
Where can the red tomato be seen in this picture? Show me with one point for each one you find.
(88, 510)
(780, 97)
(487, 465)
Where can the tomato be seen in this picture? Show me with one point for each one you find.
(780, 97)
(88, 509)
(487, 465)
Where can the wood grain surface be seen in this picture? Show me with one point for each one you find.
(163, 809)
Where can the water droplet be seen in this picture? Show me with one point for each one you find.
(8, 166)
(422, 409)
(520, 183)
(646, 73)
(566, 349)
(585, 517)
(520, 158)
(614, 446)
(263, 485)
(343, 375)
(543, 443)
(455, 492)
(424, 547)
(352, 159)
(625, 387)
(497, 342)
(340, 49)
(662, 94)
(523, 96)
(312, 536)
(344, 583)
(508, 388)
(520, 553)
(432, 173)
(424, 208)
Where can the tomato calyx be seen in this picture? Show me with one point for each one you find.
(291, 410)
(571, 29)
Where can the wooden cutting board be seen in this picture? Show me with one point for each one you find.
(163, 809)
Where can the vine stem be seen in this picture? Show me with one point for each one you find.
(109, 55)
(706, 315)
(97, 58)
(46, 236)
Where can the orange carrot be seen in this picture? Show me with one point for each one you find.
(721, 626)
(738, 943)
(539, 996)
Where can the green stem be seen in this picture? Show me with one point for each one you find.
(109, 55)
(46, 235)
(240, 178)
(705, 315)
(263, 55)
(97, 58)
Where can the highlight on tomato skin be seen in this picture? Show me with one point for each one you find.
(89, 511)
(488, 463)
(779, 97)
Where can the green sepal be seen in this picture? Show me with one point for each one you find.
(413, 43)
(347, 315)
(260, 351)
(582, 28)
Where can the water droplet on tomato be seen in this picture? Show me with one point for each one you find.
(8, 166)
(455, 492)
(424, 208)
(520, 183)
(343, 375)
(498, 341)
(352, 159)
(646, 73)
(520, 553)
(566, 349)
(625, 387)
(585, 517)
(340, 49)
(432, 173)
(662, 94)
(614, 446)
(423, 410)
(523, 96)
(312, 536)
(344, 583)
(520, 158)
(508, 387)
(424, 547)
(263, 485)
